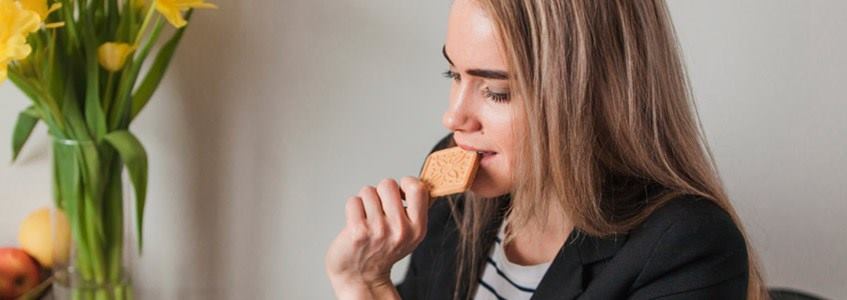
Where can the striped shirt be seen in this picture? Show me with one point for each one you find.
(503, 279)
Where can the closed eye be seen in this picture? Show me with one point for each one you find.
(496, 97)
(452, 75)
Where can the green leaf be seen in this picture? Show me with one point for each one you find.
(70, 23)
(113, 218)
(134, 157)
(68, 181)
(78, 129)
(27, 120)
(119, 118)
(113, 16)
(94, 116)
(125, 30)
(157, 71)
(53, 116)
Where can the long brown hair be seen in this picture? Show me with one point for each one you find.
(605, 95)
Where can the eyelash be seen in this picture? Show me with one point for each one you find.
(496, 97)
(451, 75)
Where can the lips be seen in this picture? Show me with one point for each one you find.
(486, 154)
(483, 152)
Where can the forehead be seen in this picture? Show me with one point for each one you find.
(472, 40)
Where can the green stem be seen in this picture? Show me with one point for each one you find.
(51, 56)
(99, 254)
(114, 214)
(94, 243)
(119, 119)
(107, 97)
(68, 16)
(144, 24)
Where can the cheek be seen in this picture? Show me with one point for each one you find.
(507, 144)
(512, 135)
(498, 123)
(501, 169)
(494, 179)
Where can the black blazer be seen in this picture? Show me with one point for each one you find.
(687, 249)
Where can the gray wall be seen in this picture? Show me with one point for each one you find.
(276, 111)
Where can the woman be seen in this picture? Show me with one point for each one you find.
(594, 183)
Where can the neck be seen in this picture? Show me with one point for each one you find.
(539, 242)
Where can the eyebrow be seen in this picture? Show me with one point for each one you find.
(490, 74)
(444, 52)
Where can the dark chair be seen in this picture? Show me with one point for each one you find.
(779, 293)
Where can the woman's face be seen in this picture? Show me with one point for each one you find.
(481, 113)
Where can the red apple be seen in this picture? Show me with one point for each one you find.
(18, 273)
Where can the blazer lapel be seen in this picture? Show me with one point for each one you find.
(564, 279)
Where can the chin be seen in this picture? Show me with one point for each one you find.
(483, 187)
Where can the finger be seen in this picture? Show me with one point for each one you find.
(355, 212)
(392, 204)
(417, 200)
(373, 207)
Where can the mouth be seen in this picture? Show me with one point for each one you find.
(482, 152)
(485, 154)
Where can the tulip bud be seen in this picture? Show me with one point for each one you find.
(112, 56)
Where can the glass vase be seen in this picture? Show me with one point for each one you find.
(90, 188)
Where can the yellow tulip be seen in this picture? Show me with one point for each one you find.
(172, 9)
(112, 56)
(40, 7)
(17, 23)
(4, 73)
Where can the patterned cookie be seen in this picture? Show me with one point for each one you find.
(449, 171)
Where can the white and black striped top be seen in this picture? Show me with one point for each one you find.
(503, 279)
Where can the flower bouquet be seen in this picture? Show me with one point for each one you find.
(80, 63)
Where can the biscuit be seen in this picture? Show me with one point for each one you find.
(449, 171)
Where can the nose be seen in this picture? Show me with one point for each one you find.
(460, 115)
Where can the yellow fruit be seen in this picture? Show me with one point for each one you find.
(37, 238)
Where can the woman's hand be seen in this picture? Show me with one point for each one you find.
(379, 232)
